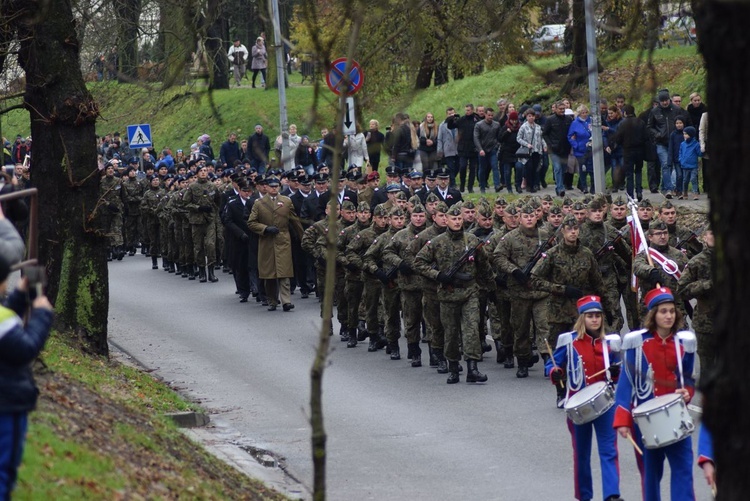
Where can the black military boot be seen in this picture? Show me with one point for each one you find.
(486, 348)
(120, 252)
(170, 266)
(191, 272)
(395, 350)
(211, 277)
(534, 355)
(500, 349)
(164, 264)
(433, 357)
(472, 373)
(442, 367)
(202, 274)
(523, 369)
(415, 355)
(509, 359)
(374, 342)
(453, 370)
(352, 343)
(144, 249)
(154, 263)
(131, 251)
(382, 342)
(185, 272)
(361, 330)
(344, 333)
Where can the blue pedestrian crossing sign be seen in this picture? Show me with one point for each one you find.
(139, 136)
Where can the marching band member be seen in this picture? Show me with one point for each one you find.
(652, 370)
(586, 357)
(706, 457)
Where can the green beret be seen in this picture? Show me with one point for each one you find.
(431, 197)
(442, 207)
(418, 209)
(454, 210)
(570, 221)
(380, 210)
(363, 207)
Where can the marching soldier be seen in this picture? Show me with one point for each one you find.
(149, 205)
(110, 212)
(483, 230)
(354, 284)
(618, 218)
(458, 293)
(680, 237)
(132, 192)
(202, 201)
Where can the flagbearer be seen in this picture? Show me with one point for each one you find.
(662, 265)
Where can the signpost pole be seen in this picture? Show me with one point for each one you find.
(281, 79)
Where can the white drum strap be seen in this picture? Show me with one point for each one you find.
(575, 370)
(644, 380)
(605, 351)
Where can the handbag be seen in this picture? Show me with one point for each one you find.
(524, 151)
(572, 164)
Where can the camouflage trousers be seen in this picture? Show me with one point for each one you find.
(186, 245)
(152, 228)
(372, 293)
(612, 293)
(630, 298)
(392, 309)
(131, 231)
(499, 312)
(411, 306)
(460, 321)
(174, 251)
(339, 295)
(143, 230)
(112, 226)
(522, 312)
(164, 237)
(204, 243)
(353, 291)
(432, 319)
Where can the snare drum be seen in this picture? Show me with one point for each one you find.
(590, 403)
(663, 421)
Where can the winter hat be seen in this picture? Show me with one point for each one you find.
(513, 115)
(690, 131)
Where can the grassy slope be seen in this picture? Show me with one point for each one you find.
(179, 123)
(98, 434)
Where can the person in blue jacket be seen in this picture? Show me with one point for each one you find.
(583, 357)
(579, 137)
(19, 346)
(690, 152)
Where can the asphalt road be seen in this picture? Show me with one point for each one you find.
(394, 432)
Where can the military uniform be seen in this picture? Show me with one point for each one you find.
(353, 275)
(624, 273)
(110, 211)
(459, 298)
(499, 308)
(696, 282)
(149, 205)
(202, 200)
(132, 192)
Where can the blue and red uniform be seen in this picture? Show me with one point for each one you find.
(705, 446)
(583, 356)
(651, 370)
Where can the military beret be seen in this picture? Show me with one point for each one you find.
(418, 209)
(645, 203)
(657, 226)
(570, 221)
(441, 207)
(567, 201)
(527, 209)
(211, 176)
(363, 207)
(353, 175)
(443, 173)
(400, 195)
(454, 210)
(304, 180)
(501, 201)
(321, 177)
(579, 206)
(128, 169)
(188, 175)
(393, 188)
(555, 209)
(468, 204)
(619, 200)
(348, 205)
(547, 198)
(484, 210)
(380, 210)
(397, 212)
(148, 166)
(432, 197)
(415, 174)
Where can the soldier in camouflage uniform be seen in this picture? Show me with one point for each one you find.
(483, 230)
(202, 200)
(396, 254)
(355, 252)
(511, 256)
(430, 303)
(459, 294)
(179, 215)
(149, 205)
(374, 263)
(554, 220)
(594, 233)
(697, 282)
(354, 284)
(666, 274)
(132, 192)
(468, 214)
(568, 271)
(162, 213)
(680, 237)
(110, 212)
(309, 244)
(187, 232)
(497, 218)
(347, 218)
(499, 308)
(148, 168)
(618, 218)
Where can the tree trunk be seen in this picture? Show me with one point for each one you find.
(127, 13)
(723, 39)
(441, 73)
(426, 69)
(579, 65)
(63, 117)
(217, 33)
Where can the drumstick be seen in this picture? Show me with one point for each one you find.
(713, 490)
(632, 441)
(554, 364)
(602, 371)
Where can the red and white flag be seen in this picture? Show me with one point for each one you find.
(638, 241)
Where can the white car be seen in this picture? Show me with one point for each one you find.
(549, 37)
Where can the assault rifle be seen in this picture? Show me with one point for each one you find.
(541, 249)
(682, 244)
(469, 253)
(391, 274)
(609, 245)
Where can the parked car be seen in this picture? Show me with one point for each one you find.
(677, 29)
(549, 37)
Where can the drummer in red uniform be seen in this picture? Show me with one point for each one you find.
(585, 357)
(652, 370)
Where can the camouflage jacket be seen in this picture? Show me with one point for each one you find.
(150, 201)
(697, 282)
(616, 259)
(485, 234)
(110, 193)
(202, 193)
(417, 244)
(572, 265)
(397, 251)
(373, 260)
(642, 269)
(681, 238)
(132, 192)
(310, 237)
(346, 235)
(356, 249)
(514, 250)
(442, 252)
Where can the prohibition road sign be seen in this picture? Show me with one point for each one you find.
(336, 75)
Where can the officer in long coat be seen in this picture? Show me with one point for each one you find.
(273, 218)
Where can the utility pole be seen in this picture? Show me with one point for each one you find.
(281, 79)
(596, 116)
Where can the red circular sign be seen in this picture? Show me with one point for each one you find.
(335, 76)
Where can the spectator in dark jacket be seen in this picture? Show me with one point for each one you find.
(258, 147)
(555, 132)
(696, 109)
(631, 135)
(659, 126)
(508, 148)
(19, 346)
(467, 152)
(229, 151)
